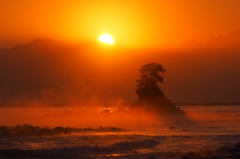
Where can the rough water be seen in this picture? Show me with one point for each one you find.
(217, 127)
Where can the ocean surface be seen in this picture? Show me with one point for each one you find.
(214, 127)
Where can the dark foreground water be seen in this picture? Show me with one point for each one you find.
(215, 135)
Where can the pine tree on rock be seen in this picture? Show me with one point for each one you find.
(148, 91)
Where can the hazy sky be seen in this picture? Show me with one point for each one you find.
(133, 23)
(204, 70)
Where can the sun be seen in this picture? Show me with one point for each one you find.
(106, 38)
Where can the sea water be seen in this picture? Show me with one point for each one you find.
(216, 126)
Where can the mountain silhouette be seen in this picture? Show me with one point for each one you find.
(27, 70)
(231, 40)
(48, 70)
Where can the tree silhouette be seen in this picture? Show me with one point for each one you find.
(147, 87)
(148, 91)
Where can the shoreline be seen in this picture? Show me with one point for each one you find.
(123, 149)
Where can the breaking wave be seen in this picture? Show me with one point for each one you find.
(78, 151)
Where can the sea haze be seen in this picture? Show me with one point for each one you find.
(214, 127)
(51, 72)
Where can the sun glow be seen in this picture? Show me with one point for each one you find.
(106, 38)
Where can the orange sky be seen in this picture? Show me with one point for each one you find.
(135, 23)
(141, 30)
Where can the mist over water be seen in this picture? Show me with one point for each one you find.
(63, 94)
(92, 93)
(225, 117)
(77, 117)
(146, 134)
